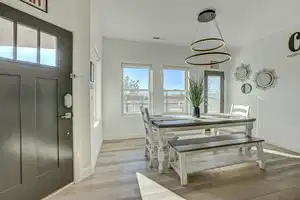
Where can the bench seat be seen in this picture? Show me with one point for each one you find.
(180, 151)
(212, 142)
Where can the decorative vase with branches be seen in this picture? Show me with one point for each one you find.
(195, 94)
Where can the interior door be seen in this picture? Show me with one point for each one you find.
(36, 144)
(214, 92)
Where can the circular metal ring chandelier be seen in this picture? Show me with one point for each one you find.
(192, 60)
(208, 51)
(194, 48)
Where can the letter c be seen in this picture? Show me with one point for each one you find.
(292, 42)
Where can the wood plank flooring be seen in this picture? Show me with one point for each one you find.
(115, 178)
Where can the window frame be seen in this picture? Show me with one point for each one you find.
(38, 38)
(136, 66)
(14, 40)
(57, 50)
(186, 76)
(15, 46)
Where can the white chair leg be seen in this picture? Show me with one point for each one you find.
(248, 152)
(146, 152)
(170, 157)
(241, 151)
(183, 170)
(151, 157)
(212, 132)
(261, 157)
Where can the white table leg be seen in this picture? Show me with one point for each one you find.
(260, 155)
(249, 128)
(161, 153)
(182, 169)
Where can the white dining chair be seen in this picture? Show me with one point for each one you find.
(240, 110)
(236, 110)
(151, 137)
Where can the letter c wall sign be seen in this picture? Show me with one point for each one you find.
(292, 45)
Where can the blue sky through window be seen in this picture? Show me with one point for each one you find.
(173, 79)
(138, 74)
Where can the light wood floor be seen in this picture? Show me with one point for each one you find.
(115, 178)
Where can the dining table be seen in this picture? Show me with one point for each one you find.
(183, 123)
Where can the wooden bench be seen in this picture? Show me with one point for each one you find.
(180, 151)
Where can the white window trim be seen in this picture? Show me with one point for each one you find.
(136, 66)
(186, 76)
(96, 92)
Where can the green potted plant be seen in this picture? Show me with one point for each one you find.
(195, 94)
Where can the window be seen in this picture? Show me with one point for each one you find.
(48, 49)
(175, 84)
(27, 44)
(30, 45)
(135, 87)
(6, 38)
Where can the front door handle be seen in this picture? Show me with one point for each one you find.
(67, 115)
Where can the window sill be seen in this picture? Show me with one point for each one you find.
(168, 113)
(131, 115)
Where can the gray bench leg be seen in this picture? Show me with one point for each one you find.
(260, 155)
(182, 169)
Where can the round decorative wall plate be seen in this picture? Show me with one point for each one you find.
(243, 72)
(265, 79)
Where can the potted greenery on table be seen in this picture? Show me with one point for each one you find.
(195, 94)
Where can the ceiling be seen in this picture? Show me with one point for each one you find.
(241, 21)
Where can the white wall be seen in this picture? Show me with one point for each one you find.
(279, 111)
(73, 15)
(96, 98)
(115, 125)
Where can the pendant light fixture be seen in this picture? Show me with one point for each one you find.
(210, 48)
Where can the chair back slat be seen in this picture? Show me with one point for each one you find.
(240, 110)
(147, 122)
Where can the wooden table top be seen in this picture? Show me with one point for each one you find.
(185, 121)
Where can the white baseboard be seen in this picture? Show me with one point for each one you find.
(56, 192)
(123, 137)
(86, 172)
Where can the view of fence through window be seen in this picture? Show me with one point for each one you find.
(175, 90)
(214, 94)
(135, 88)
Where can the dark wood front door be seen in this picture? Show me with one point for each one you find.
(36, 144)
